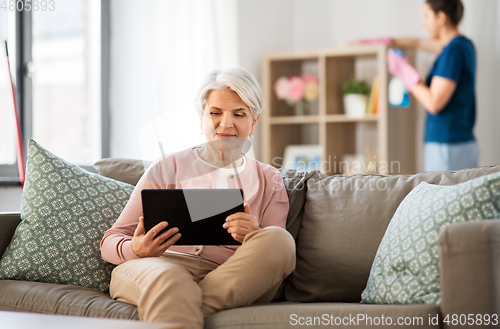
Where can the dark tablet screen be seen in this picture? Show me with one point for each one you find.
(198, 213)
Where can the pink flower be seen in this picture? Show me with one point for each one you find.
(282, 88)
(309, 78)
(297, 88)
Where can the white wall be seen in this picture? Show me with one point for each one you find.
(264, 26)
(126, 86)
(481, 25)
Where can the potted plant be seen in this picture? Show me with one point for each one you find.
(355, 97)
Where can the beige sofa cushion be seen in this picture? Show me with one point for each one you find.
(50, 298)
(345, 218)
(123, 170)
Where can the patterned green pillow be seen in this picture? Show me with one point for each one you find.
(406, 266)
(65, 211)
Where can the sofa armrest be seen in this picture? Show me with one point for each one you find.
(8, 224)
(470, 268)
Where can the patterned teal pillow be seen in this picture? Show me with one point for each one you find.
(406, 266)
(65, 211)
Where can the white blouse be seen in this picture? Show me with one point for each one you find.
(223, 172)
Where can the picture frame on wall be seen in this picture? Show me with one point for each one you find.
(305, 157)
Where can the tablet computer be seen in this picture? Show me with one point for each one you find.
(198, 213)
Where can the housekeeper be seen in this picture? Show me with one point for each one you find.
(185, 284)
(448, 93)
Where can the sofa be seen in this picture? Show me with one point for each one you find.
(338, 223)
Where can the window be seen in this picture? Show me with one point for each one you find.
(66, 82)
(7, 137)
(60, 81)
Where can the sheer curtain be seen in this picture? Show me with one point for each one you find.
(160, 52)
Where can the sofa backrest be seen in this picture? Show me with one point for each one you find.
(125, 170)
(344, 220)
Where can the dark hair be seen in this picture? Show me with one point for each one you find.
(453, 9)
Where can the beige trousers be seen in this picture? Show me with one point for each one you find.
(185, 289)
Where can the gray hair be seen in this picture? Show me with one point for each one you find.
(236, 79)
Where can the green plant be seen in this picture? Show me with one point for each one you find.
(355, 86)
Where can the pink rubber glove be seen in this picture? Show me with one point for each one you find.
(398, 64)
(384, 40)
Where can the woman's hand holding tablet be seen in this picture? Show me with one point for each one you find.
(148, 244)
(241, 223)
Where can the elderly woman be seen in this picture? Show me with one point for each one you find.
(185, 284)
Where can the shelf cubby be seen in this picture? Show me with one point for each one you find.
(385, 137)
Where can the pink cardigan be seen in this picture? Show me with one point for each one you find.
(262, 186)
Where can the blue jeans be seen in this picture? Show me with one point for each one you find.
(450, 156)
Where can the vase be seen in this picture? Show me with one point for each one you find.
(355, 105)
(301, 108)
